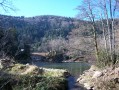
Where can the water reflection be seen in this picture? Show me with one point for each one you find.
(75, 68)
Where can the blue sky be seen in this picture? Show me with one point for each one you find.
(31, 8)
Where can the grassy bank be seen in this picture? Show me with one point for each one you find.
(29, 77)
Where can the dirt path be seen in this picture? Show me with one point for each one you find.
(73, 85)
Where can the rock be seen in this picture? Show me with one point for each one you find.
(87, 85)
(93, 68)
(27, 64)
(116, 80)
(78, 80)
(94, 79)
(97, 74)
(66, 74)
(116, 70)
(105, 71)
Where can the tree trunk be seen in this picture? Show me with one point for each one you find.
(109, 30)
(96, 43)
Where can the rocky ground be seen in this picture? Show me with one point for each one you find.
(100, 79)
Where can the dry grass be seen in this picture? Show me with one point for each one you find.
(31, 77)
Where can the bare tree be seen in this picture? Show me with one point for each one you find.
(107, 12)
(87, 9)
(7, 5)
(109, 9)
(56, 44)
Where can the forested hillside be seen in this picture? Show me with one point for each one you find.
(34, 28)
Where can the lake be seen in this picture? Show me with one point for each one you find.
(75, 68)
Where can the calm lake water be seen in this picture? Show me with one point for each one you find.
(75, 68)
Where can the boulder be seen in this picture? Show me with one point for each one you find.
(97, 74)
(93, 68)
(87, 85)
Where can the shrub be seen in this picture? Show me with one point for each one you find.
(34, 82)
(106, 59)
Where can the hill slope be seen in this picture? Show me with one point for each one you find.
(35, 28)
